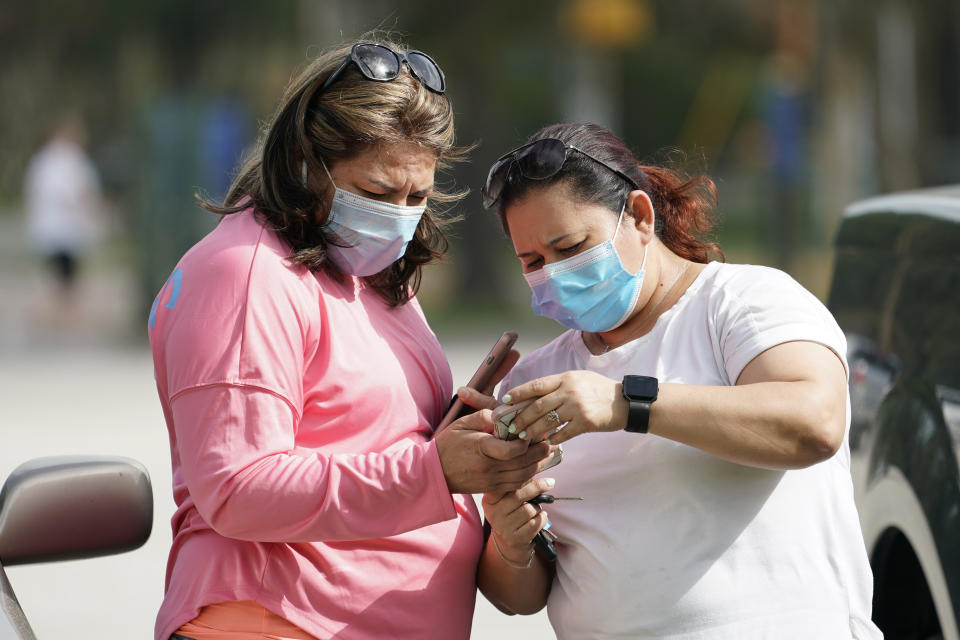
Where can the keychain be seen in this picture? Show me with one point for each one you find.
(544, 540)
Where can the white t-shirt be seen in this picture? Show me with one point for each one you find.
(671, 542)
(62, 191)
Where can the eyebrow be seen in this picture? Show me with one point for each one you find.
(552, 243)
(391, 190)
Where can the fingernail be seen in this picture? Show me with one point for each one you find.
(548, 442)
(550, 482)
(463, 391)
(507, 398)
(522, 435)
(513, 428)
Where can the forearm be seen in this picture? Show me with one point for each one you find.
(289, 498)
(776, 425)
(512, 590)
(248, 481)
(787, 409)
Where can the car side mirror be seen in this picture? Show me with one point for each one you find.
(71, 507)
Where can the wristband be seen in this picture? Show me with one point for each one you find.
(640, 392)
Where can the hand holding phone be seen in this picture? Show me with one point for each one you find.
(485, 378)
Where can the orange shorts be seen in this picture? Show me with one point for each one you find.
(246, 620)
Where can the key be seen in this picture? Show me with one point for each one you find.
(544, 542)
(546, 498)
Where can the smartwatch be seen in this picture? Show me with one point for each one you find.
(640, 392)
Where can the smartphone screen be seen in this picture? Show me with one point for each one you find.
(482, 376)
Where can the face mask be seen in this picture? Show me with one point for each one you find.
(375, 233)
(590, 291)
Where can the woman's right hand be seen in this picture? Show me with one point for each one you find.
(475, 461)
(513, 521)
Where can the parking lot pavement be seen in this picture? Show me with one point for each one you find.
(102, 400)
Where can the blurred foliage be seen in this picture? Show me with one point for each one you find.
(106, 59)
(749, 88)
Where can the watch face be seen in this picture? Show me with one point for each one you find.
(640, 387)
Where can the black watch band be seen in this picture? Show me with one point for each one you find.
(638, 418)
(640, 392)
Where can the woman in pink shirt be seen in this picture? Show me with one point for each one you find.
(301, 383)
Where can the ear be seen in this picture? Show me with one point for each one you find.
(641, 208)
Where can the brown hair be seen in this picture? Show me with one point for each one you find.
(684, 206)
(350, 117)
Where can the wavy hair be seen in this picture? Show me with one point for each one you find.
(350, 117)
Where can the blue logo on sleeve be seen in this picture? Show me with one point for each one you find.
(176, 282)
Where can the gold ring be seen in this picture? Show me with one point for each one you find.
(552, 415)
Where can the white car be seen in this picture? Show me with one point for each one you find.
(896, 294)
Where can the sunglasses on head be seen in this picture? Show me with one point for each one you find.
(536, 160)
(382, 64)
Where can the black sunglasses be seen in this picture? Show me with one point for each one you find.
(537, 160)
(383, 64)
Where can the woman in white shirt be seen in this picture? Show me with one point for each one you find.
(703, 408)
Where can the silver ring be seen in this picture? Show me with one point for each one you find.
(552, 415)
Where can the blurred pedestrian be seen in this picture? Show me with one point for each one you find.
(301, 384)
(703, 409)
(62, 198)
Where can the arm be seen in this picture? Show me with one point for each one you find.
(787, 409)
(248, 481)
(513, 524)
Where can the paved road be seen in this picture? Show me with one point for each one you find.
(101, 400)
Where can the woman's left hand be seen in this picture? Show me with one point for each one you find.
(582, 401)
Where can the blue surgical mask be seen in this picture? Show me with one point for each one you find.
(590, 291)
(375, 233)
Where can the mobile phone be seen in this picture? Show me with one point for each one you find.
(481, 377)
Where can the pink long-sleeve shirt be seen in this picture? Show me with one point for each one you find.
(300, 412)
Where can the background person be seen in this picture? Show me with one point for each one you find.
(301, 383)
(62, 198)
(717, 499)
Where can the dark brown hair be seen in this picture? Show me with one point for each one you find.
(684, 206)
(352, 116)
